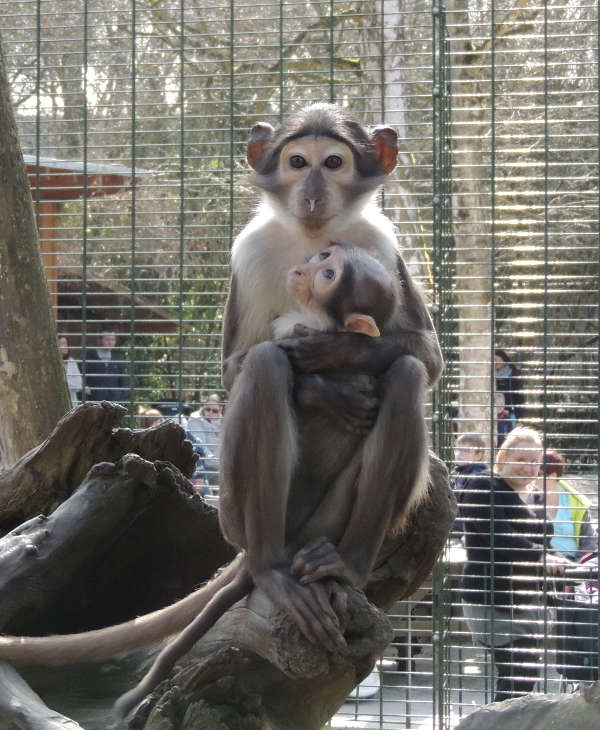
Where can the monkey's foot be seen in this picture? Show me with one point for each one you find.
(309, 606)
(320, 559)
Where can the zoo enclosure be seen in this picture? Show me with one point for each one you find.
(134, 116)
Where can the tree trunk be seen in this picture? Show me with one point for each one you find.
(33, 389)
(472, 230)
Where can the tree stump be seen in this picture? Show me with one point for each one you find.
(132, 536)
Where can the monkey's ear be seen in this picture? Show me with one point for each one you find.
(261, 133)
(385, 141)
(362, 323)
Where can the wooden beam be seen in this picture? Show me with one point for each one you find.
(48, 246)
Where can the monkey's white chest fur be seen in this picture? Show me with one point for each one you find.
(265, 250)
(284, 326)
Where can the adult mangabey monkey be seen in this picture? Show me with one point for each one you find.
(319, 173)
(342, 288)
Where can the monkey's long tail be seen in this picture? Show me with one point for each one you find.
(223, 599)
(103, 644)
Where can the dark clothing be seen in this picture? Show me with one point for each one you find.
(516, 669)
(458, 481)
(506, 422)
(500, 531)
(502, 534)
(106, 378)
(201, 471)
(509, 382)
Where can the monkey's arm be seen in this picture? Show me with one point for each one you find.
(348, 352)
(231, 359)
(415, 321)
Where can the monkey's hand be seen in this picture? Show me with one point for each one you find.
(322, 352)
(308, 606)
(320, 559)
(342, 352)
(301, 330)
(349, 405)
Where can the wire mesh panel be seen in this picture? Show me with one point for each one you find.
(133, 117)
(525, 345)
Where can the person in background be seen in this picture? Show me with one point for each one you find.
(569, 511)
(104, 370)
(205, 426)
(149, 417)
(509, 382)
(469, 453)
(74, 381)
(500, 585)
(505, 419)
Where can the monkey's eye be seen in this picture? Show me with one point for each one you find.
(329, 274)
(333, 162)
(297, 161)
(324, 255)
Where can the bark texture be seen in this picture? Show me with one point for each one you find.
(33, 389)
(539, 712)
(88, 435)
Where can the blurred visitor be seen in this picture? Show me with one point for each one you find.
(205, 464)
(500, 586)
(205, 427)
(567, 509)
(509, 382)
(74, 381)
(104, 370)
(149, 417)
(505, 419)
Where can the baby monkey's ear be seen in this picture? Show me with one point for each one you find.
(362, 323)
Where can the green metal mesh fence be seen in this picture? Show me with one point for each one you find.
(133, 115)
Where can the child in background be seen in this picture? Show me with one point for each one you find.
(469, 457)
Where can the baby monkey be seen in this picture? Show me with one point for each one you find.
(342, 288)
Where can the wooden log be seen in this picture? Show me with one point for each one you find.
(133, 538)
(20, 706)
(539, 712)
(87, 435)
(135, 529)
(255, 670)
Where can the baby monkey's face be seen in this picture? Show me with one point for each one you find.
(312, 284)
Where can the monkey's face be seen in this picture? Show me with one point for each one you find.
(313, 284)
(317, 176)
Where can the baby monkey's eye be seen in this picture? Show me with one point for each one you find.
(333, 162)
(324, 255)
(297, 161)
(329, 274)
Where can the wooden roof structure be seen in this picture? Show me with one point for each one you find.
(54, 182)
